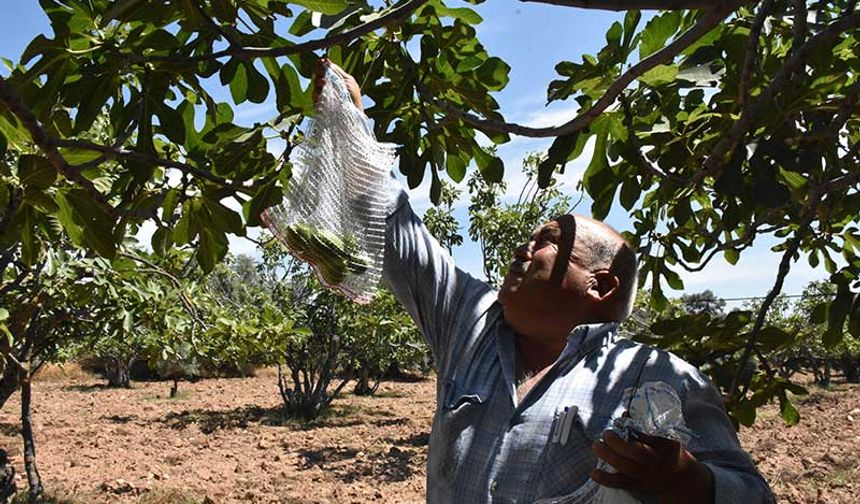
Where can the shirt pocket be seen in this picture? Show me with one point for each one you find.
(462, 411)
(565, 466)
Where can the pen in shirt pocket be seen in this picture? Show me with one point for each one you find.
(563, 425)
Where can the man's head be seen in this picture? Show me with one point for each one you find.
(575, 270)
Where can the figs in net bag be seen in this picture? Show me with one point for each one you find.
(334, 209)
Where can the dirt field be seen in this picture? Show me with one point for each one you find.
(222, 441)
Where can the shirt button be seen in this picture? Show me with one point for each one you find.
(493, 485)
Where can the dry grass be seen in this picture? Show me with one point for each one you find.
(71, 371)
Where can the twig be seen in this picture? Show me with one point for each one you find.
(752, 52)
(784, 267)
(665, 55)
(143, 158)
(636, 149)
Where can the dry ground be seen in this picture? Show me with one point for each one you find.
(222, 441)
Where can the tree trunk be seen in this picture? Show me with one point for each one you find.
(117, 372)
(174, 389)
(362, 386)
(33, 478)
(825, 375)
(9, 383)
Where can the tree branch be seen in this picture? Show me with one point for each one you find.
(752, 52)
(623, 5)
(728, 144)
(48, 145)
(394, 16)
(784, 267)
(663, 56)
(114, 151)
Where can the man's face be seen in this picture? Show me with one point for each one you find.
(546, 273)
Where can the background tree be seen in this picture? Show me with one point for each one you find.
(499, 226)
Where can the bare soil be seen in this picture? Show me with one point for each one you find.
(223, 441)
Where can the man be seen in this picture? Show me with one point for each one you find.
(511, 363)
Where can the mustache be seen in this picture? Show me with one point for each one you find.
(519, 266)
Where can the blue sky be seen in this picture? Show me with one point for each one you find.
(532, 38)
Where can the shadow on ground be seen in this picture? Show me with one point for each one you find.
(349, 465)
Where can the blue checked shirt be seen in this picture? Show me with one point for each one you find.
(487, 447)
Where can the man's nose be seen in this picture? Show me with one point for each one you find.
(524, 251)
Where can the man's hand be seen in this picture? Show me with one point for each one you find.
(654, 465)
(351, 84)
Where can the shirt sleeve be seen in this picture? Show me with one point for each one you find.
(716, 445)
(421, 274)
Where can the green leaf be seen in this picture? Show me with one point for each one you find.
(87, 224)
(171, 123)
(302, 24)
(598, 178)
(732, 256)
(493, 73)
(613, 35)
(171, 199)
(330, 7)
(162, 240)
(792, 179)
(258, 85)
(464, 14)
(212, 249)
(491, 167)
(854, 318)
(658, 31)
(4, 314)
(268, 196)
(79, 156)
(789, 413)
(660, 74)
(839, 309)
(745, 413)
(36, 171)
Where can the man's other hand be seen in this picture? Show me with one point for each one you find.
(656, 466)
(351, 84)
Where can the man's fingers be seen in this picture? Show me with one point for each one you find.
(658, 443)
(617, 460)
(614, 480)
(631, 449)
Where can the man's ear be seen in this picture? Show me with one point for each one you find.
(604, 285)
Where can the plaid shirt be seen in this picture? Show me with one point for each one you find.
(487, 447)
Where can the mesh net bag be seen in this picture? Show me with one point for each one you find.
(656, 410)
(334, 209)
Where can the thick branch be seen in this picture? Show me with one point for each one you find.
(794, 64)
(396, 15)
(624, 5)
(663, 56)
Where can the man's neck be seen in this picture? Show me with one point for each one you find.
(533, 356)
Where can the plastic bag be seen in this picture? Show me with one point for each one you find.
(334, 209)
(655, 410)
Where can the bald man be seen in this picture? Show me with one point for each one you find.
(512, 363)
